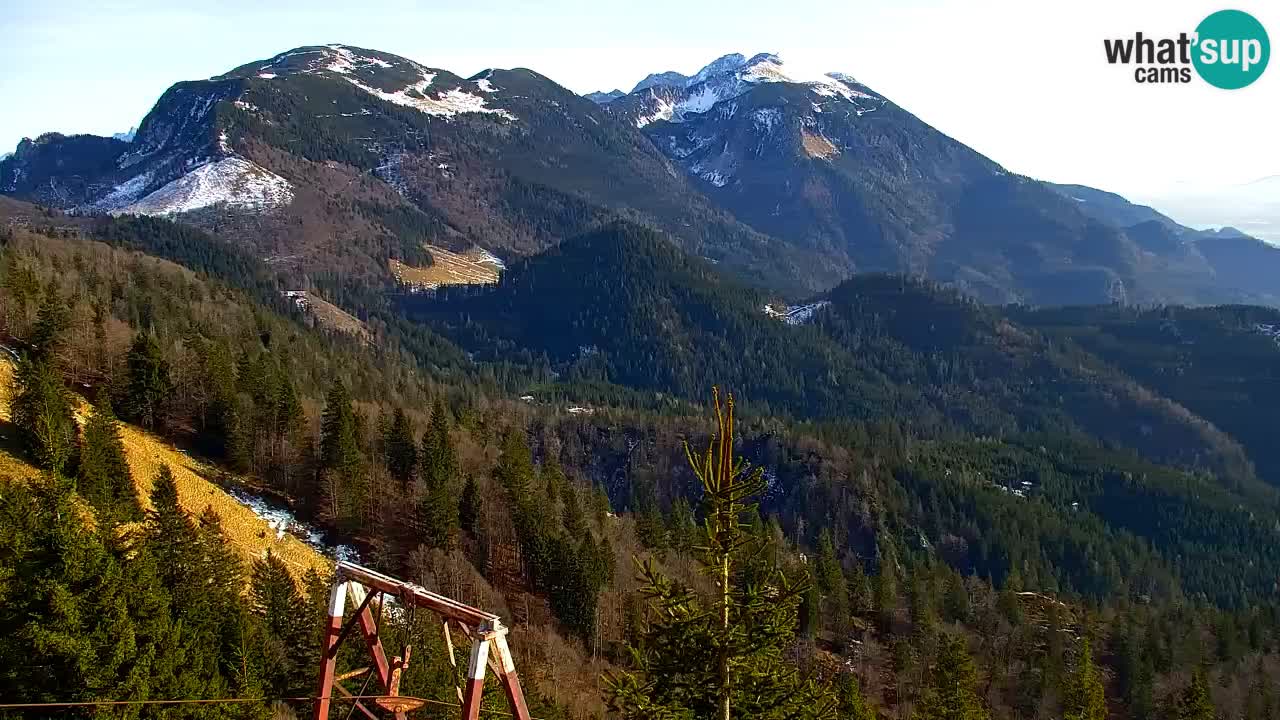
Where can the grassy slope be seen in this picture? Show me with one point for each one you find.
(146, 454)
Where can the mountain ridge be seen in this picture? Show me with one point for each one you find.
(793, 185)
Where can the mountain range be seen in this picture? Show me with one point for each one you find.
(334, 160)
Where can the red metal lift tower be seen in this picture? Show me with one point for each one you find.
(362, 585)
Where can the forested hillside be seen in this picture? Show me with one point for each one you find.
(943, 546)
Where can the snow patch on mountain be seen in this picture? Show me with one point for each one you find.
(674, 97)
(663, 109)
(1271, 330)
(484, 256)
(233, 181)
(719, 66)
(124, 193)
(795, 314)
(765, 119)
(447, 104)
(344, 61)
(717, 169)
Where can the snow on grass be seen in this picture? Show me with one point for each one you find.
(446, 104)
(486, 86)
(831, 86)
(124, 193)
(484, 256)
(343, 61)
(795, 314)
(267, 76)
(233, 181)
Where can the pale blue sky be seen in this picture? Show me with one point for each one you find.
(1023, 81)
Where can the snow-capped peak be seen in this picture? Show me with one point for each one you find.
(335, 58)
(387, 77)
(726, 77)
(719, 66)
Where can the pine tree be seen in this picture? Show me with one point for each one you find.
(103, 475)
(553, 479)
(1086, 699)
(175, 544)
(651, 528)
(274, 599)
(42, 413)
(52, 321)
(470, 506)
(147, 384)
(217, 413)
(342, 481)
(339, 436)
(437, 515)
(853, 705)
(571, 514)
(682, 527)
(401, 447)
(886, 593)
(439, 460)
(290, 431)
(952, 693)
(81, 619)
(1195, 703)
(829, 576)
(723, 656)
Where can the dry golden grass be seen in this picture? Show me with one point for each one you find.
(817, 146)
(11, 466)
(330, 316)
(450, 268)
(146, 454)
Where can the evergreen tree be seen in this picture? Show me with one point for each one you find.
(682, 527)
(218, 424)
(470, 505)
(1086, 699)
(829, 576)
(81, 619)
(175, 543)
(401, 447)
(41, 411)
(553, 479)
(147, 385)
(438, 515)
(952, 691)
(886, 593)
(52, 321)
(342, 478)
(439, 459)
(720, 657)
(1195, 703)
(103, 475)
(651, 529)
(339, 435)
(571, 514)
(853, 705)
(274, 599)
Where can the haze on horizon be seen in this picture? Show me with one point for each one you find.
(1024, 83)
